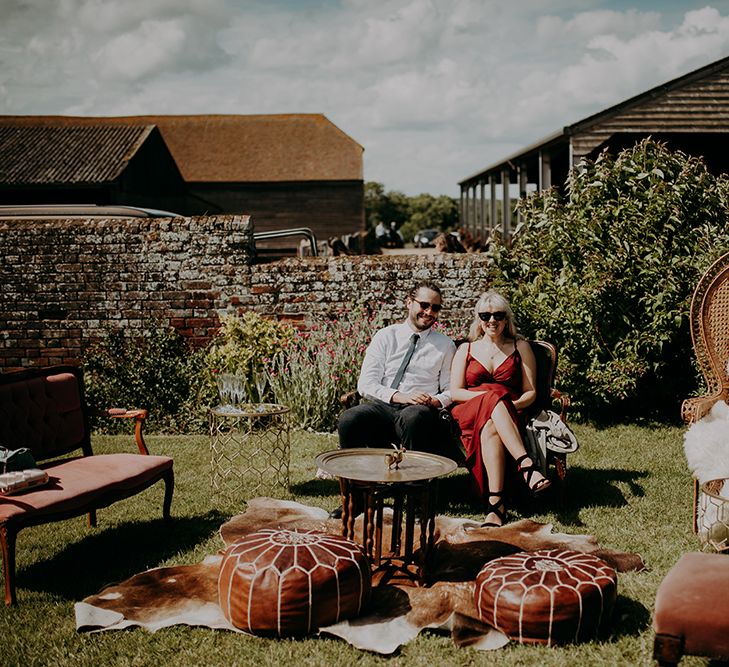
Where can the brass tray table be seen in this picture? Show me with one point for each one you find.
(412, 486)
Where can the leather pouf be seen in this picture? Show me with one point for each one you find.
(286, 583)
(546, 597)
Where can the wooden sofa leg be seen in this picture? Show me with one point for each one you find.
(7, 542)
(92, 519)
(169, 480)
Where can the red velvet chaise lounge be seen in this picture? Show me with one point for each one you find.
(45, 411)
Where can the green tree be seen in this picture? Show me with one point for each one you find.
(381, 206)
(410, 214)
(607, 274)
(429, 212)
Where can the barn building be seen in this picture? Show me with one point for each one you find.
(690, 113)
(285, 171)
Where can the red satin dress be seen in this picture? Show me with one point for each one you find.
(504, 384)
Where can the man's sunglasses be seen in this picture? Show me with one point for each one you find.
(424, 305)
(498, 315)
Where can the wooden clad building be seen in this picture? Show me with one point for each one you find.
(94, 164)
(288, 170)
(690, 113)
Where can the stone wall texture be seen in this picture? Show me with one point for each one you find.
(63, 281)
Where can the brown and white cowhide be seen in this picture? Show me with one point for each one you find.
(187, 594)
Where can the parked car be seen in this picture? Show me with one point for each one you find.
(425, 237)
(81, 211)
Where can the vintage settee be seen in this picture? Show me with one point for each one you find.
(45, 411)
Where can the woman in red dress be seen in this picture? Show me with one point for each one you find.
(492, 381)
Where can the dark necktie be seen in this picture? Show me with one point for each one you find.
(406, 360)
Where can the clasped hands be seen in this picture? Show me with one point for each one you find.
(415, 398)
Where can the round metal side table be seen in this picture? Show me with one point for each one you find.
(412, 486)
(249, 450)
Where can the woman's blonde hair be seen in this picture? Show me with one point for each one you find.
(493, 301)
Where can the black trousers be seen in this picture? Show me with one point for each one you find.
(380, 424)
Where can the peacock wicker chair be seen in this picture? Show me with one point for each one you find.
(709, 319)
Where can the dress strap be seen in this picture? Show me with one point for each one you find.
(468, 356)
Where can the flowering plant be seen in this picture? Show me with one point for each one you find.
(317, 367)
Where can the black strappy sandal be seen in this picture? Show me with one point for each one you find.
(494, 507)
(528, 472)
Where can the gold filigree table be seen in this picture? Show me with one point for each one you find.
(713, 516)
(249, 450)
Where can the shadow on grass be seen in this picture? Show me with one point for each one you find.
(584, 487)
(590, 487)
(115, 554)
(316, 487)
(630, 618)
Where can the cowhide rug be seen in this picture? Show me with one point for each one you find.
(187, 594)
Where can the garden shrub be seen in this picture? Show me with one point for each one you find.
(243, 346)
(138, 369)
(607, 274)
(320, 365)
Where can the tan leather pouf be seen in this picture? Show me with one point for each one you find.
(546, 597)
(286, 583)
(692, 609)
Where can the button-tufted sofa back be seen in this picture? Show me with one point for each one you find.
(44, 409)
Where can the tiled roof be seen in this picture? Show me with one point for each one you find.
(231, 148)
(64, 155)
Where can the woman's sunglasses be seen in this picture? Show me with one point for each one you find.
(498, 315)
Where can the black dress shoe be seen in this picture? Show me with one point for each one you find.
(337, 513)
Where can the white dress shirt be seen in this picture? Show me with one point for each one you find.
(429, 369)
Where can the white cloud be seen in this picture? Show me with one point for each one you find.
(433, 89)
(598, 22)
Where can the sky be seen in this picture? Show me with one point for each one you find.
(434, 90)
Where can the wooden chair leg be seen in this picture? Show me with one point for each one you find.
(7, 543)
(169, 480)
(695, 519)
(667, 650)
(92, 519)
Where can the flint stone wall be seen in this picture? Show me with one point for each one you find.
(64, 281)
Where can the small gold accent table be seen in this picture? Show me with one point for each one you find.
(249, 444)
(364, 472)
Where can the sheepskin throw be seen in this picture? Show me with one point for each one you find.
(706, 445)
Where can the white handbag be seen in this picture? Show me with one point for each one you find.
(547, 432)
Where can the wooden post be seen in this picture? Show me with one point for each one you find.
(494, 221)
(522, 176)
(463, 208)
(505, 205)
(545, 171)
(482, 226)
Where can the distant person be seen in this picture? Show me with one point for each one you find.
(404, 381)
(447, 243)
(394, 237)
(380, 232)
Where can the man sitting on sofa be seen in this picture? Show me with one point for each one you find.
(404, 381)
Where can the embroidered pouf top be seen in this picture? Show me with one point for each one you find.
(286, 583)
(546, 597)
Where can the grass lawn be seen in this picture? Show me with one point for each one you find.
(627, 485)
